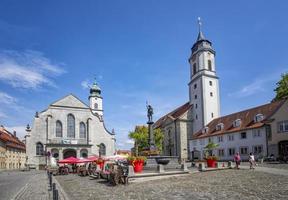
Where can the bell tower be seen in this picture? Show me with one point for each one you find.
(204, 84)
(96, 99)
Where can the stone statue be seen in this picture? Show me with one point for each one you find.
(149, 113)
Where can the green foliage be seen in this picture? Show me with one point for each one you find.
(140, 137)
(282, 87)
(209, 150)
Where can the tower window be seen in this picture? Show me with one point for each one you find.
(196, 96)
(209, 65)
(96, 106)
(195, 86)
(211, 94)
(212, 114)
(196, 117)
(196, 105)
(194, 68)
(210, 83)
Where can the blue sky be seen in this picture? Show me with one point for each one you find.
(138, 50)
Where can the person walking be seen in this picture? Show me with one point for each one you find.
(237, 160)
(252, 161)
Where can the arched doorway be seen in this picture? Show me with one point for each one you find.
(69, 152)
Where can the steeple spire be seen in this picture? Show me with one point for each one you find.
(200, 34)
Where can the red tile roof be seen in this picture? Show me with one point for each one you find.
(175, 114)
(247, 120)
(10, 140)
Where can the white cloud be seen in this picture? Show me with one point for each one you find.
(2, 115)
(7, 99)
(85, 84)
(129, 141)
(258, 85)
(28, 69)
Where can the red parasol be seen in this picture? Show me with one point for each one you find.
(70, 160)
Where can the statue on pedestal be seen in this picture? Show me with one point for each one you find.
(149, 113)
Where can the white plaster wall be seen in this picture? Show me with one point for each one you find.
(97, 131)
(249, 142)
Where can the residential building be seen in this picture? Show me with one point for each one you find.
(12, 150)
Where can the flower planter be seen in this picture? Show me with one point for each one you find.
(138, 167)
(211, 163)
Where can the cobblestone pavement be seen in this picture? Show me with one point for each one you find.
(28, 185)
(275, 165)
(224, 184)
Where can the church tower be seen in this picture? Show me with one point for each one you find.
(204, 84)
(96, 99)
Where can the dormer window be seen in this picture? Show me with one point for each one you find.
(219, 127)
(258, 118)
(237, 123)
(205, 130)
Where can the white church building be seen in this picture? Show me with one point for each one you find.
(190, 127)
(69, 127)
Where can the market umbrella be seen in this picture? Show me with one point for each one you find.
(84, 160)
(70, 160)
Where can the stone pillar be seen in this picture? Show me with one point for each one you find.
(229, 164)
(160, 168)
(201, 167)
(151, 140)
(131, 171)
(184, 167)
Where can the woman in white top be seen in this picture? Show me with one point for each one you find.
(251, 160)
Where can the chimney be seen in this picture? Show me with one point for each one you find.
(14, 133)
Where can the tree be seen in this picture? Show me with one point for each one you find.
(282, 87)
(140, 136)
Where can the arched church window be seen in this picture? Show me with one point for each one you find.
(194, 69)
(84, 153)
(39, 149)
(82, 130)
(102, 149)
(71, 126)
(209, 65)
(96, 106)
(58, 128)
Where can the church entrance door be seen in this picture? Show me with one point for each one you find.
(69, 152)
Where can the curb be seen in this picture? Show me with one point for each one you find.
(63, 195)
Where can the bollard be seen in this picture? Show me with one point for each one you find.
(50, 181)
(184, 167)
(131, 171)
(229, 164)
(160, 168)
(53, 190)
(201, 167)
(56, 195)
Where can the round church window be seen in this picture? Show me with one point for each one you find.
(56, 155)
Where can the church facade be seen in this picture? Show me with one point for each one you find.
(69, 127)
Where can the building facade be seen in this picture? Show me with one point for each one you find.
(12, 151)
(190, 127)
(69, 127)
(248, 131)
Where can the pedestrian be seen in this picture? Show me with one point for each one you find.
(237, 160)
(252, 161)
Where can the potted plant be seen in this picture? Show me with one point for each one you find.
(137, 162)
(209, 156)
(100, 162)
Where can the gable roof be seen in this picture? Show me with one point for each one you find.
(246, 117)
(10, 139)
(175, 114)
(70, 101)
